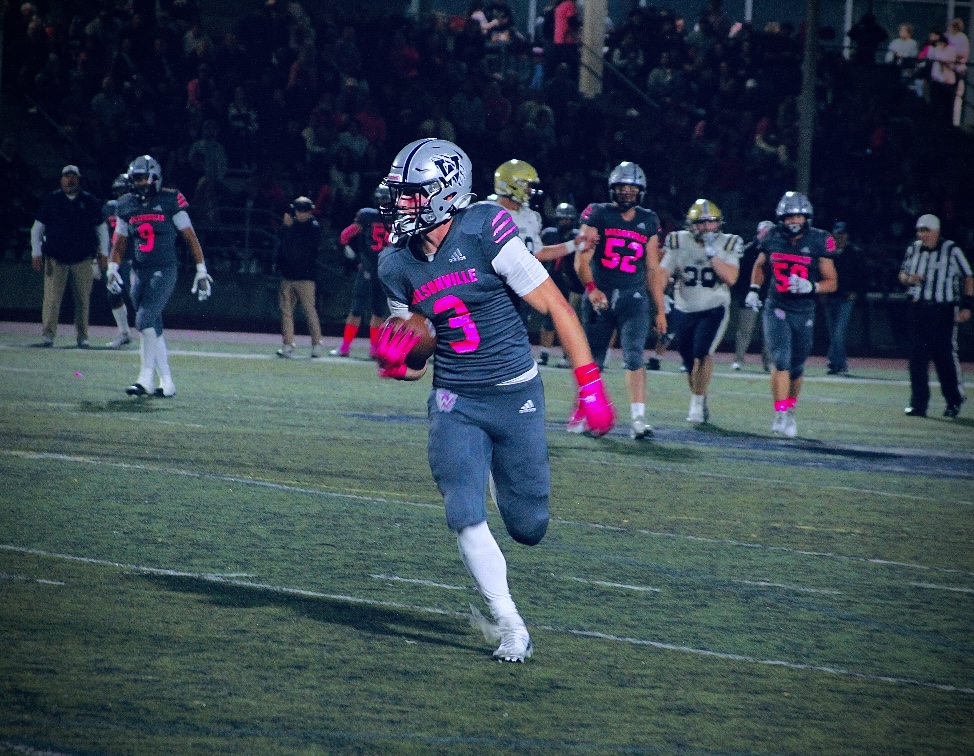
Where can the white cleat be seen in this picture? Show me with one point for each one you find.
(791, 425)
(780, 420)
(736, 366)
(317, 350)
(698, 411)
(286, 351)
(119, 341)
(515, 642)
(640, 428)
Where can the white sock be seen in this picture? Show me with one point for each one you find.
(696, 401)
(638, 409)
(121, 315)
(162, 359)
(486, 564)
(147, 353)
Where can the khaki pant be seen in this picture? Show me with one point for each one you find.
(55, 279)
(303, 292)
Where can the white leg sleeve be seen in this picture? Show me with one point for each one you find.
(147, 352)
(486, 564)
(121, 315)
(162, 367)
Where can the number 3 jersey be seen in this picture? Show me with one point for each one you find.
(782, 259)
(698, 287)
(152, 227)
(619, 261)
(466, 291)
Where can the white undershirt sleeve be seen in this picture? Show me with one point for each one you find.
(36, 239)
(103, 244)
(181, 220)
(519, 268)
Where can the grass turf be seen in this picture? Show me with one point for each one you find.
(261, 565)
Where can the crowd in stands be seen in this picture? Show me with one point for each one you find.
(289, 102)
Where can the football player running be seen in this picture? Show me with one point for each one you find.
(454, 262)
(120, 187)
(704, 263)
(794, 257)
(147, 221)
(616, 266)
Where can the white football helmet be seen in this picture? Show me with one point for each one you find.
(145, 165)
(794, 203)
(626, 174)
(439, 174)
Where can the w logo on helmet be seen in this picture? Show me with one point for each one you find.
(450, 168)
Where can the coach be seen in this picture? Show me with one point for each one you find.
(941, 294)
(65, 240)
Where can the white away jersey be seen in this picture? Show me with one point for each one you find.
(697, 285)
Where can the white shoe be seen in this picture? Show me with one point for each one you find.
(780, 419)
(316, 350)
(791, 425)
(119, 341)
(286, 351)
(640, 428)
(515, 642)
(696, 414)
(736, 366)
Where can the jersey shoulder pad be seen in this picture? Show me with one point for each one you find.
(485, 219)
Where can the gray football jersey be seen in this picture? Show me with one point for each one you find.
(697, 285)
(481, 339)
(151, 231)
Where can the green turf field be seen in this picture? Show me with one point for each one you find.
(260, 565)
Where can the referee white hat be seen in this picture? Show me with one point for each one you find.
(928, 221)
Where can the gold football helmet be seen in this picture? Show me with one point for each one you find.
(700, 212)
(517, 180)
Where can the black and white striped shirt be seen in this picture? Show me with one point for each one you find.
(943, 270)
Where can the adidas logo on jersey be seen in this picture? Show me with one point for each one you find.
(528, 406)
(457, 256)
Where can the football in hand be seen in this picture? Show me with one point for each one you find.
(426, 345)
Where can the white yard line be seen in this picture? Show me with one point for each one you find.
(287, 590)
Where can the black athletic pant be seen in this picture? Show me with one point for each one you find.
(932, 331)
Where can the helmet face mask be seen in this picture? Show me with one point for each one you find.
(794, 204)
(704, 220)
(429, 182)
(624, 175)
(518, 181)
(145, 177)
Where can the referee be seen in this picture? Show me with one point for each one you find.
(935, 270)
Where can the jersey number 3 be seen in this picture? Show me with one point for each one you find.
(461, 320)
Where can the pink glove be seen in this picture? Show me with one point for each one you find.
(397, 371)
(394, 344)
(594, 407)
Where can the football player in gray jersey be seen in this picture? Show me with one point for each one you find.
(456, 263)
(795, 259)
(618, 260)
(147, 220)
(704, 263)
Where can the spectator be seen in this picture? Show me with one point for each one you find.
(959, 40)
(66, 238)
(943, 76)
(244, 125)
(208, 155)
(850, 267)
(866, 36)
(297, 262)
(903, 50)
